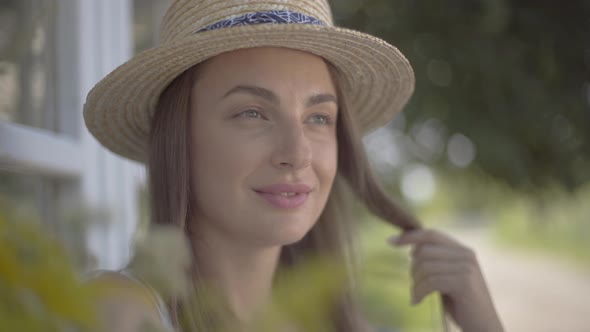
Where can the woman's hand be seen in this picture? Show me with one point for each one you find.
(440, 263)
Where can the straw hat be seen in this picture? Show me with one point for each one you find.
(374, 74)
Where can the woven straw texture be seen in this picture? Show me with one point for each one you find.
(375, 75)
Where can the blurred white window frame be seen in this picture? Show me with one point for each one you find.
(92, 38)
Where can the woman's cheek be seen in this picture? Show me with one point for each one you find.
(325, 158)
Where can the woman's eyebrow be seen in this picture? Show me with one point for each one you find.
(273, 98)
(321, 98)
(254, 90)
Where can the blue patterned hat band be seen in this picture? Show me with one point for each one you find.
(270, 17)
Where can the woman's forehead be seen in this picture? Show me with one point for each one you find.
(250, 55)
(267, 66)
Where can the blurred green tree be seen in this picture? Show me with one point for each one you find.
(513, 76)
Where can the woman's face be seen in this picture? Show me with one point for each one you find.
(264, 149)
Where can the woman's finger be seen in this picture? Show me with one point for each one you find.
(447, 284)
(423, 269)
(426, 251)
(442, 264)
(420, 236)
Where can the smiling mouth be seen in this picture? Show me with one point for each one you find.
(285, 195)
(285, 200)
(288, 194)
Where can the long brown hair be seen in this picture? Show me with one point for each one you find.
(171, 198)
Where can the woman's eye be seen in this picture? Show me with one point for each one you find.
(321, 119)
(251, 113)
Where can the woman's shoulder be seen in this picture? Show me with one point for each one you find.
(126, 302)
(119, 284)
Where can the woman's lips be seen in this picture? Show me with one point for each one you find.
(284, 202)
(284, 195)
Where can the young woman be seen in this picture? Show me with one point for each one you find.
(249, 118)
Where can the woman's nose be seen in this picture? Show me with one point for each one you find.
(292, 148)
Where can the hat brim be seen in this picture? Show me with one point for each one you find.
(377, 78)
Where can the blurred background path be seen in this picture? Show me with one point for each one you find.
(532, 292)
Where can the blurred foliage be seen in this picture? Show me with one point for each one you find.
(513, 76)
(169, 249)
(27, 72)
(558, 224)
(386, 283)
(35, 198)
(40, 289)
(554, 221)
(146, 16)
(305, 295)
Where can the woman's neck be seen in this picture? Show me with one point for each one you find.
(243, 273)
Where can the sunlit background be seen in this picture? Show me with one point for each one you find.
(493, 148)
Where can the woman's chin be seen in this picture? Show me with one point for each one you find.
(293, 239)
(286, 237)
(279, 230)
